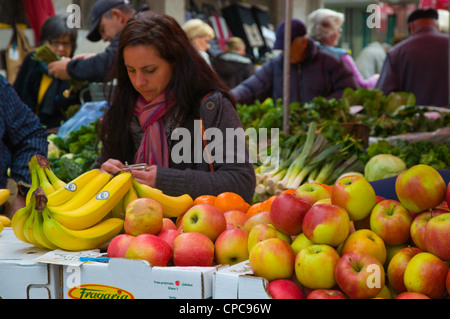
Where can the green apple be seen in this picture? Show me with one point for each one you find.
(326, 224)
(397, 265)
(366, 241)
(143, 216)
(272, 259)
(420, 188)
(315, 265)
(262, 232)
(311, 192)
(426, 274)
(300, 242)
(355, 194)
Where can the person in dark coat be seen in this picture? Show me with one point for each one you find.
(233, 66)
(419, 64)
(46, 96)
(313, 72)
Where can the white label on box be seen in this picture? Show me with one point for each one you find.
(67, 258)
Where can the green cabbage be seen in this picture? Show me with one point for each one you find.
(383, 166)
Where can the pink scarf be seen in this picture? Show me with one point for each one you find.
(153, 148)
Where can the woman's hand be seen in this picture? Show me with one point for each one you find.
(112, 166)
(147, 176)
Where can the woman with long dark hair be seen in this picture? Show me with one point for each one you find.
(165, 100)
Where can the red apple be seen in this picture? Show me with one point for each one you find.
(315, 266)
(231, 246)
(359, 275)
(118, 245)
(168, 223)
(168, 235)
(206, 219)
(311, 192)
(259, 218)
(411, 295)
(287, 213)
(236, 218)
(418, 226)
(397, 266)
(193, 249)
(448, 195)
(272, 259)
(437, 236)
(355, 194)
(447, 282)
(326, 294)
(391, 221)
(326, 224)
(262, 232)
(151, 248)
(284, 289)
(365, 241)
(420, 188)
(143, 216)
(426, 273)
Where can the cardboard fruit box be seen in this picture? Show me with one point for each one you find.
(21, 276)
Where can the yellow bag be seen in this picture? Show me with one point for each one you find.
(16, 51)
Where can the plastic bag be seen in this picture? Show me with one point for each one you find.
(88, 113)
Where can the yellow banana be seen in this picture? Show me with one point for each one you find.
(4, 195)
(54, 180)
(75, 240)
(28, 229)
(5, 220)
(96, 208)
(37, 227)
(19, 219)
(80, 194)
(173, 206)
(118, 210)
(44, 182)
(38, 231)
(129, 197)
(32, 163)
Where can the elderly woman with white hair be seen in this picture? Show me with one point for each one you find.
(325, 27)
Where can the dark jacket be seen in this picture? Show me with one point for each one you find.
(194, 175)
(320, 74)
(419, 65)
(54, 104)
(22, 136)
(96, 68)
(232, 68)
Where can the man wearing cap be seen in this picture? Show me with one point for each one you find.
(313, 72)
(419, 64)
(108, 17)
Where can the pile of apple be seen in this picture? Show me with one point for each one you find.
(315, 242)
(203, 236)
(354, 244)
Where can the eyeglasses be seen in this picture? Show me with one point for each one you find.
(56, 43)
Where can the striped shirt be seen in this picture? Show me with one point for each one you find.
(22, 136)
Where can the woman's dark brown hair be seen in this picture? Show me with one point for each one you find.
(192, 78)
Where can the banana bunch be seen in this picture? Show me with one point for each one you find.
(84, 213)
(73, 216)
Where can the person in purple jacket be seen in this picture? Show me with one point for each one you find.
(419, 64)
(313, 72)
